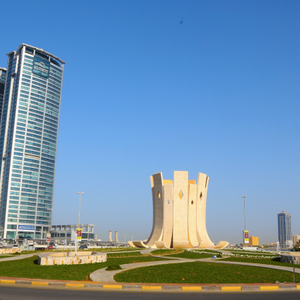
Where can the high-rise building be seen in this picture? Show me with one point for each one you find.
(28, 142)
(2, 85)
(254, 241)
(296, 239)
(285, 230)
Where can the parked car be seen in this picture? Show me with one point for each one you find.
(52, 244)
(83, 247)
(15, 246)
(50, 247)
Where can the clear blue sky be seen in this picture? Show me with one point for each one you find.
(142, 93)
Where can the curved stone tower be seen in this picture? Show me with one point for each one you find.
(179, 213)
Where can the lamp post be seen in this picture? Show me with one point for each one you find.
(245, 226)
(80, 193)
(49, 210)
(76, 242)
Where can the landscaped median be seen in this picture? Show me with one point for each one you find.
(204, 272)
(28, 268)
(178, 270)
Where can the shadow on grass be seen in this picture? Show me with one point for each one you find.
(276, 259)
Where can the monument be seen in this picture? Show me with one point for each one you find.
(179, 213)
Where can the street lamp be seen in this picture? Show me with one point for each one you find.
(76, 243)
(245, 226)
(49, 210)
(80, 193)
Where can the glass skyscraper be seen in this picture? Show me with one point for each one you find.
(285, 230)
(2, 85)
(28, 142)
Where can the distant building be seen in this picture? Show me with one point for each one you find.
(254, 241)
(64, 232)
(285, 230)
(296, 238)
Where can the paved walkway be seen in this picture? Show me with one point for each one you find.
(16, 257)
(107, 276)
(102, 275)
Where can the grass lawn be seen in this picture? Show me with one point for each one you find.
(113, 249)
(251, 252)
(28, 268)
(192, 255)
(166, 251)
(268, 261)
(127, 254)
(202, 272)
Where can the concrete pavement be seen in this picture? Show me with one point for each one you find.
(16, 257)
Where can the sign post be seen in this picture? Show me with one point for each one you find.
(48, 237)
(246, 237)
(78, 232)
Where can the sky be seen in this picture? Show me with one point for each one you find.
(164, 86)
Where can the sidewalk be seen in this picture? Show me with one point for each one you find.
(16, 257)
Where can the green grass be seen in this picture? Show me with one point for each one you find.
(251, 252)
(4, 256)
(255, 255)
(114, 249)
(127, 254)
(28, 268)
(166, 251)
(268, 261)
(202, 272)
(191, 255)
(207, 250)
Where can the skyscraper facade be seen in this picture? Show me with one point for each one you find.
(2, 86)
(28, 142)
(285, 230)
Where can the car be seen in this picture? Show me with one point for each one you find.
(50, 247)
(15, 246)
(83, 247)
(53, 245)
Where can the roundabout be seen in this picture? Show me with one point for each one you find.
(182, 271)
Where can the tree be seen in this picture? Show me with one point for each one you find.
(297, 246)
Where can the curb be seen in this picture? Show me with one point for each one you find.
(155, 288)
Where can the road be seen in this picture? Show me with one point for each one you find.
(16, 293)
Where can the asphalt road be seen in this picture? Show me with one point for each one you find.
(16, 293)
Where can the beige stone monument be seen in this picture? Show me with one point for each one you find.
(179, 213)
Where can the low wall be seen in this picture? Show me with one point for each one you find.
(69, 258)
(291, 258)
(10, 250)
